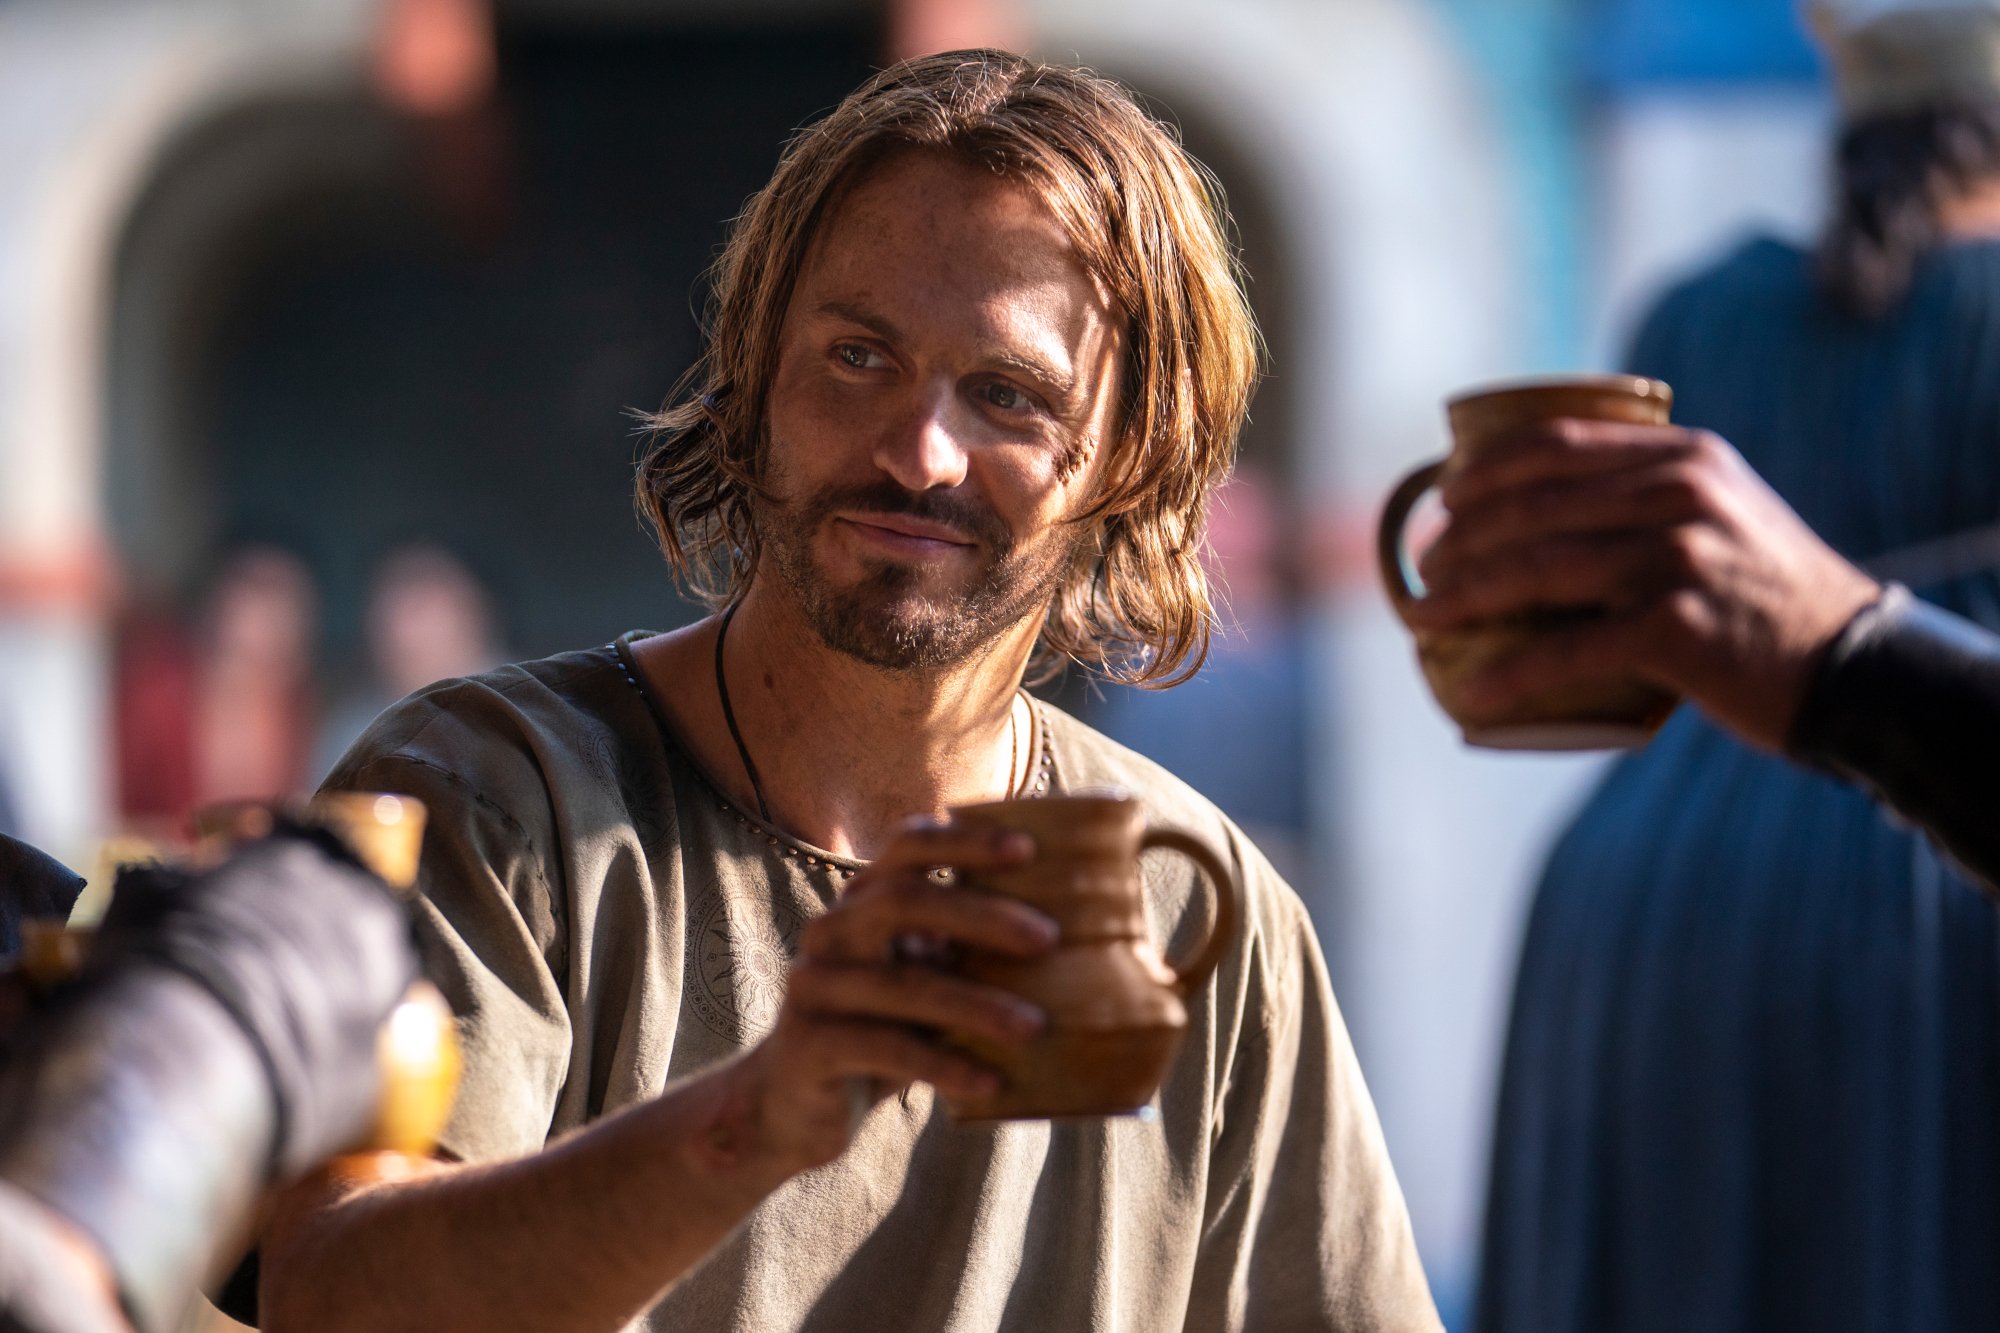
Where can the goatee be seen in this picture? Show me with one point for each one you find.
(890, 618)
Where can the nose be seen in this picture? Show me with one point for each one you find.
(923, 450)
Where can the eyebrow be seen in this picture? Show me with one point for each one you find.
(1060, 383)
(867, 319)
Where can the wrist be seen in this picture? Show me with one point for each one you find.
(1822, 701)
(1828, 617)
(731, 1143)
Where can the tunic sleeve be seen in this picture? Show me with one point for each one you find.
(490, 927)
(1306, 1227)
(1907, 704)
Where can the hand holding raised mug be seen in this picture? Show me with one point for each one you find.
(1047, 998)
(1597, 710)
(1116, 1010)
(1698, 578)
(861, 1021)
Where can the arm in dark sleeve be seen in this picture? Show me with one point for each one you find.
(222, 1035)
(1907, 703)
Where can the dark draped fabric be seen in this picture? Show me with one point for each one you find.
(33, 887)
(1752, 1078)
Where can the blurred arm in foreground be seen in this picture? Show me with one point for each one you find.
(1710, 585)
(221, 1038)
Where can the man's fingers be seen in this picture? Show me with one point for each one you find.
(865, 926)
(1660, 496)
(1597, 570)
(840, 1049)
(1564, 448)
(915, 994)
(926, 843)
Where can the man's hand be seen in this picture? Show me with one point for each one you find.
(1707, 582)
(862, 1020)
(590, 1231)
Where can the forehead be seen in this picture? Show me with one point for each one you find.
(929, 230)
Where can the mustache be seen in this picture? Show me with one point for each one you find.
(963, 514)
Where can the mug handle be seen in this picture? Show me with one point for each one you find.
(1189, 976)
(1399, 572)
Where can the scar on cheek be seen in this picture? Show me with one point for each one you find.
(1072, 459)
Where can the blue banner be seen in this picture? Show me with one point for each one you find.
(1634, 43)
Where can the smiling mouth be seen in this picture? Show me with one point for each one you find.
(897, 532)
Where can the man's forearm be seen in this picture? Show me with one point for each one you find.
(1908, 704)
(582, 1236)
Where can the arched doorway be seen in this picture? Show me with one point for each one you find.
(378, 343)
(337, 332)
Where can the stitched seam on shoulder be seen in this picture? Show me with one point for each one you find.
(480, 799)
(518, 679)
(592, 663)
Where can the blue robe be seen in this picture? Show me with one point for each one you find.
(1752, 1078)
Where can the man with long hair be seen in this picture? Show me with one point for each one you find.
(978, 354)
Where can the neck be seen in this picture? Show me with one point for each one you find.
(844, 752)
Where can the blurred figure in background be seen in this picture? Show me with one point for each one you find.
(428, 620)
(223, 711)
(1235, 731)
(1754, 1065)
(156, 674)
(256, 705)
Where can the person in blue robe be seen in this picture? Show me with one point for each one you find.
(1752, 1076)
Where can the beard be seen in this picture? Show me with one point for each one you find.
(892, 618)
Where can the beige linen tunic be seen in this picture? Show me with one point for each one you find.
(605, 921)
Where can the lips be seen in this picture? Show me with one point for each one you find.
(904, 531)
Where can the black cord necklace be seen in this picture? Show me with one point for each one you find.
(729, 716)
(1014, 785)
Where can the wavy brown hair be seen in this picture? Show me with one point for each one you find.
(1148, 224)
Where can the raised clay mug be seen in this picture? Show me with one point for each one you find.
(1116, 1011)
(1607, 714)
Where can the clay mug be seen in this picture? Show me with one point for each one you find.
(1608, 714)
(1116, 1011)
